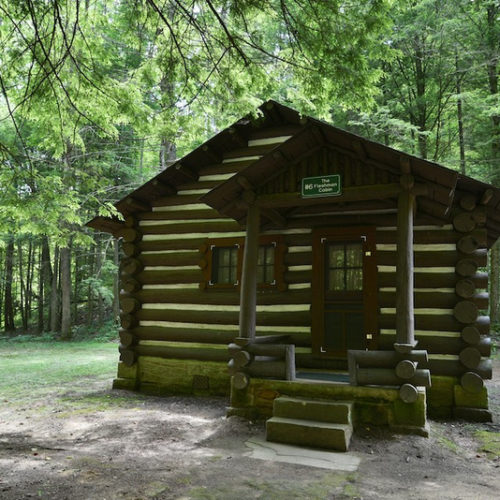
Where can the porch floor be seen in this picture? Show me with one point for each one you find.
(337, 377)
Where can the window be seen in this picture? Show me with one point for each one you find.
(224, 260)
(225, 265)
(345, 267)
(265, 265)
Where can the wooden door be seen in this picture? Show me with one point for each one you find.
(344, 305)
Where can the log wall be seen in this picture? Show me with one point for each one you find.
(166, 314)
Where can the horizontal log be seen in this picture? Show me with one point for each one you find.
(472, 382)
(385, 359)
(221, 297)
(200, 185)
(169, 277)
(343, 220)
(193, 227)
(464, 222)
(471, 335)
(468, 244)
(466, 311)
(171, 201)
(439, 344)
(129, 305)
(433, 280)
(291, 277)
(436, 236)
(201, 213)
(128, 321)
(298, 258)
(292, 318)
(408, 393)
(240, 381)
(465, 288)
(131, 266)
(387, 376)
(272, 369)
(177, 244)
(265, 339)
(127, 355)
(241, 358)
(130, 249)
(436, 322)
(435, 300)
(206, 335)
(468, 202)
(275, 350)
(466, 267)
(406, 369)
(470, 357)
(298, 240)
(453, 368)
(195, 353)
(171, 259)
(127, 338)
(354, 193)
(441, 258)
(130, 235)
(130, 285)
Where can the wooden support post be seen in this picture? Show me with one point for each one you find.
(248, 296)
(405, 328)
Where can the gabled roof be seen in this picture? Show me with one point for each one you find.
(306, 135)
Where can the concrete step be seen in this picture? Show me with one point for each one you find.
(309, 433)
(337, 412)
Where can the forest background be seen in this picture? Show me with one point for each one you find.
(98, 96)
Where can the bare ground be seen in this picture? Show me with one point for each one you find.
(86, 441)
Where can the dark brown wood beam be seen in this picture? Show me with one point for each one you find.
(134, 204)
(187, 172)
(356, 193)
(274, 216)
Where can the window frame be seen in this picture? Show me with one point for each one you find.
(207, 263)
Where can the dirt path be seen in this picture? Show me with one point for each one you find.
(88, 442)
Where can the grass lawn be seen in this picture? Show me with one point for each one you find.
(37, 367)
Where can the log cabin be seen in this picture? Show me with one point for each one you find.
(316, 278)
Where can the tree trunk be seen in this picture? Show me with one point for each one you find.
(90, 291)
(22, 290)
(98, 274)
(54, 295)
(116, 281)
(460, 121)
(40, 322)
(493, 37)
(29, 282)
(420, 81)
(65, 293)
(9, 271)
(76, 285)
(494, 281)
(46, 278)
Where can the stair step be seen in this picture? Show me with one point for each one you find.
(309, 433)
(337, 412)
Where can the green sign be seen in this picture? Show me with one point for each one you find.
(325, 185)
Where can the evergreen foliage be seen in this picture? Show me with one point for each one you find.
(97, 97)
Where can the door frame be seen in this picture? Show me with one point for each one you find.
(370, 304)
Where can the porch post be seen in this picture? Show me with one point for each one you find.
(405, 329)
(248, 294)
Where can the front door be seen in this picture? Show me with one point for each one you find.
(344, 305)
